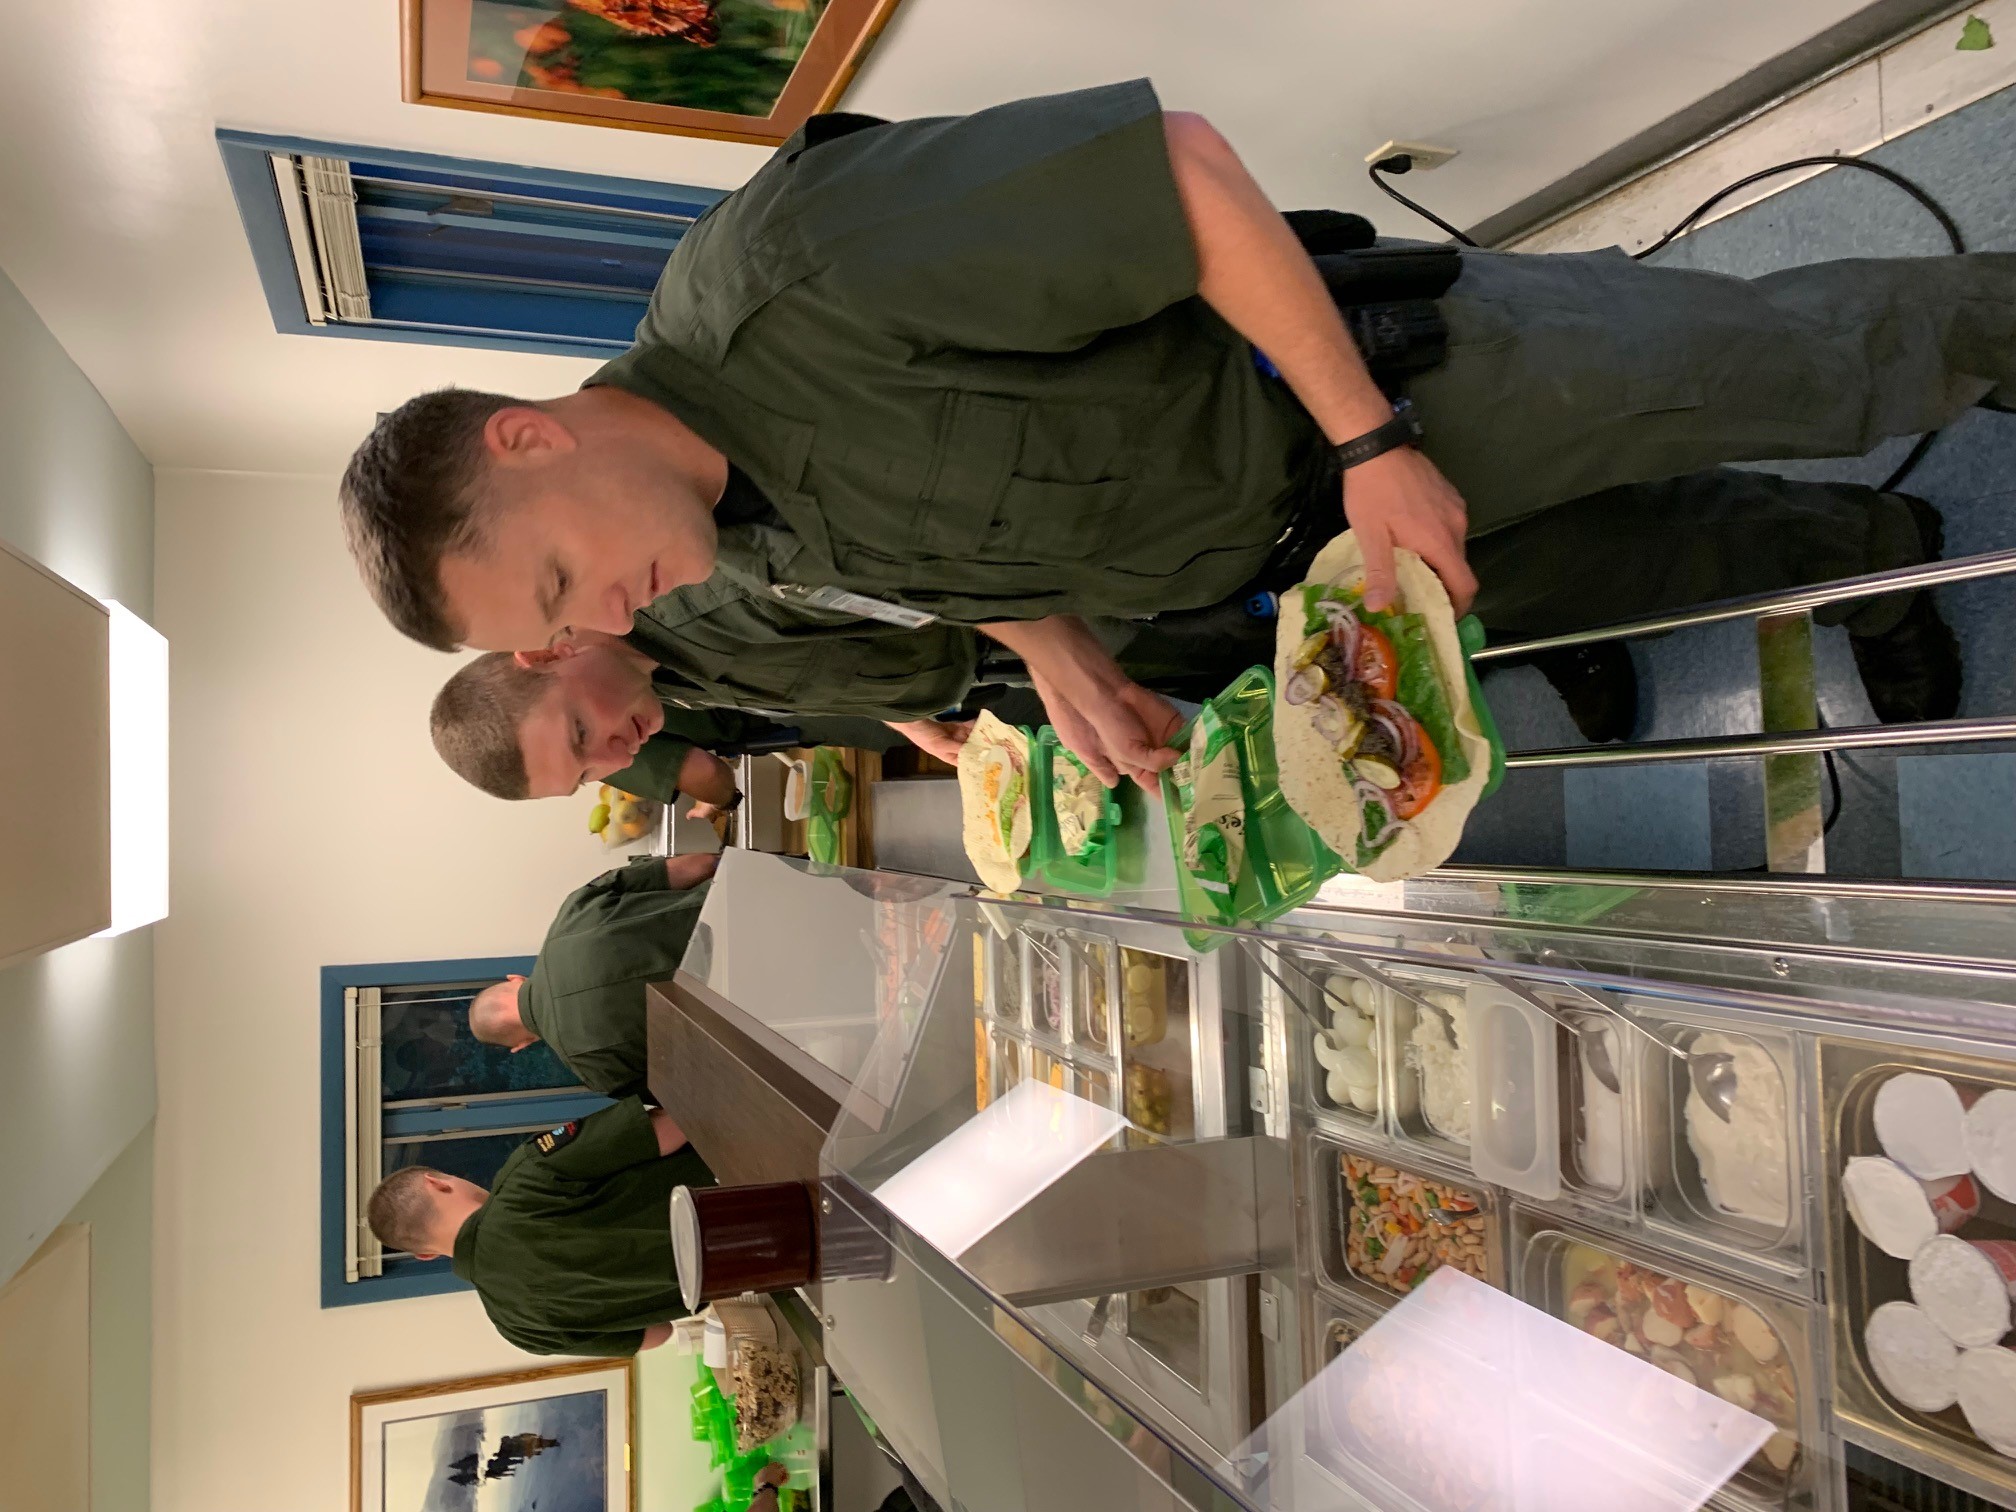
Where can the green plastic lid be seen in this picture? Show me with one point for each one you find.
(1116, 851)
(1286, 860)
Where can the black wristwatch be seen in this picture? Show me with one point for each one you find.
(731, 805)
(1404, 429)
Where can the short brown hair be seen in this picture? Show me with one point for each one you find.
(410, 497)
(476, 718)
(400, 1209)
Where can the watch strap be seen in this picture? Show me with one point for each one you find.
(1404, 429)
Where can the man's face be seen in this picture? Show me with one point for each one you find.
(580, 534)
(591, 721)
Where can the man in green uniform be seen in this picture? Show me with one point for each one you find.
(571, 1249)
(540, 724)
(585, 997)
(1001, 370)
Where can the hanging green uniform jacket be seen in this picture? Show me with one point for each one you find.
(572, 1254)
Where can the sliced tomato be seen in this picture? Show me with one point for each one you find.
(1420, 779)
(1377, 668)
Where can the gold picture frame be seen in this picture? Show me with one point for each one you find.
(729, 70)
(560, 1423)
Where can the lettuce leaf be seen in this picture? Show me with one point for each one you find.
(1420, 691)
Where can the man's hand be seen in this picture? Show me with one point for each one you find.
(1108, 721)
(670, 1136)
(1400, 498)
(941, 738)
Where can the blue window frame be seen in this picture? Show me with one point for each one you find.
(405, 246)
(405, 1083)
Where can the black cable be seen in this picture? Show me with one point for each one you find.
(1826, 160)
(1401, 163)
(1932, 207)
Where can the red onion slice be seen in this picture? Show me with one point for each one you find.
(1303, 686)
(1406, 732)
(1343, 632)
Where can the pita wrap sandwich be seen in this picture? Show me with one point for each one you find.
(1379, 748)
(994, 798)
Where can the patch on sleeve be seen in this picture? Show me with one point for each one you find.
(557, 1138)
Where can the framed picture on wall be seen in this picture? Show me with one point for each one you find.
(737, 70)
(558, 1436)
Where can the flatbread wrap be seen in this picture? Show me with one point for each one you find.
(994, 800)
(1380, 750)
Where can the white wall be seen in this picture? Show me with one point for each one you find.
(118, 1210)
(312, 825)
(77, 1072)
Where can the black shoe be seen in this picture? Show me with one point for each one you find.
(1931, 524)
(1599, 685)
(1912, 671)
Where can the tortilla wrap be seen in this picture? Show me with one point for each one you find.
(991, 744)
(1312, 777)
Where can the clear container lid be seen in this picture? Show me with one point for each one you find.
(1162, 1238)
(1514, 1062)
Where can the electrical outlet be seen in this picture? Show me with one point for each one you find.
(1424, 154)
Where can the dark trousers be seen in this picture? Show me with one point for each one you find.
(1619, 554)
(1570, 374)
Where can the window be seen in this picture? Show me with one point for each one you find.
(404, 1083)
(404, 246)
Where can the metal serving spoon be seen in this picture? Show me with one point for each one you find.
(1711, 1073)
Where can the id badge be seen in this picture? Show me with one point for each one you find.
(860, 605)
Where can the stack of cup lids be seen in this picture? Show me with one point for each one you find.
(1941, 1147)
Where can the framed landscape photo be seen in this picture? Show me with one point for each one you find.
(738, 70)
(555, 1437)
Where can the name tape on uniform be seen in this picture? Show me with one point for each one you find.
(860, 605)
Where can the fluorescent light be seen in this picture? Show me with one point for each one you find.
(137, 685)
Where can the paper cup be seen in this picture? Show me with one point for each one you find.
(1991, 1141)
(1920, 1123)
(1987, 1383)
(1897, 1212)
(1955, 1200)
(1964, 1287)
(1912, 1357)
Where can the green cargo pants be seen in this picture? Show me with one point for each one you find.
(1574, 373)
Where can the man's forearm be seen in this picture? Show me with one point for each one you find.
(706, 777)
(1254, 273)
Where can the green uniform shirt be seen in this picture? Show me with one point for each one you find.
(730, 641)
(654, 771)
(965, 360)
(585, 996)
(572, 1254)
